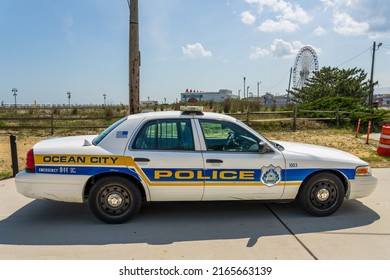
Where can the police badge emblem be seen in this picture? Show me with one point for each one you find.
(270, 175)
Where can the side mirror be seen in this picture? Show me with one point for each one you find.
(263, 148)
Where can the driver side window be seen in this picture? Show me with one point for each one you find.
(226, 136)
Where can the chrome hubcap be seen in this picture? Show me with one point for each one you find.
(114, 200)
(323, 194)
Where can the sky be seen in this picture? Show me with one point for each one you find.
(51, 47)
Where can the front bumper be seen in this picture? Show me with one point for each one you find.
(361, 186)
(67, 188)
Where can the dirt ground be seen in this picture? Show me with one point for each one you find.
(23, 143)
(340, 139)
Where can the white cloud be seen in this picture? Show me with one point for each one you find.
(378, 35)
(339, 3)
(258, 53)
(283, 49)
(328, 4)
(360, 17)
(295, 13)
(195, 50)
(344, 24)
(319, 31)
(348, 17)
(285, 9)
(278, 26)
(248, 18)
(287, 15)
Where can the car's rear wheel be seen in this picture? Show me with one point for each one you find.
(114, 200)
(322, 195)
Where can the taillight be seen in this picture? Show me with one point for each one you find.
(30, 164)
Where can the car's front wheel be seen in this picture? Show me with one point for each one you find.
(322, 195)
(114, 200)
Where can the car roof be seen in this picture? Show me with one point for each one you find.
(179, 114)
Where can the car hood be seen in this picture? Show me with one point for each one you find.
(309, 152)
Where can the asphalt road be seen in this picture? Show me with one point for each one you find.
(37, 229)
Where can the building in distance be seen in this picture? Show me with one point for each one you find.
(148, 103)
(197, 96)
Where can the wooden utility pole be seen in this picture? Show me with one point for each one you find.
(371, 95)
(134, 58)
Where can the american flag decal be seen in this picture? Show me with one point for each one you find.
(122, 134)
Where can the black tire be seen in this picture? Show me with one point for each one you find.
(114, 200)
(322, 195)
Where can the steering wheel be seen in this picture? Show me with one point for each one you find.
(231, 142)
(245, 145)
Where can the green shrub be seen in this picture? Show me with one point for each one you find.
(74, 111)
(56, 111)
(227, 104)
(108, 112)
(348, 104)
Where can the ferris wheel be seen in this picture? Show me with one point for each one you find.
(306, 63)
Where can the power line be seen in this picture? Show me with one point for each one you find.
(354, 57)
(275, 85)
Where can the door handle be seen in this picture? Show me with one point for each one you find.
(214, 160)
(138, 159)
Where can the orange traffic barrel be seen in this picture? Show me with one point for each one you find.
(384, 141)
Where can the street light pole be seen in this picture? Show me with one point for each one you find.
(247, 92)
(288, 90)
(69, 94)
(244, 87)
(371, 94)
(104, 96)
(14, 90)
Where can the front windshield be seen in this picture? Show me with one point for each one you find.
(101, 136)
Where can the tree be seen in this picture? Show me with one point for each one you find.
(334, 82)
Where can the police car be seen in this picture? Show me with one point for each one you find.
(188, 155)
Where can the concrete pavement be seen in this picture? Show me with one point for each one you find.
(374, 136)
(36, 229)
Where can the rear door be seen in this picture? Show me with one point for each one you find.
(165, 156)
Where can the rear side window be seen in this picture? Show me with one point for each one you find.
(165, 135)
(107, 131)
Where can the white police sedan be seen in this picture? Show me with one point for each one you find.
(188, 155)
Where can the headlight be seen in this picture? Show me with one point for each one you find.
(363, 171)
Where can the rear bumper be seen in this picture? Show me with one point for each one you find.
(361, 186)
(67, 188)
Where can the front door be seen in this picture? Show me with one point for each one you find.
(235, 168)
